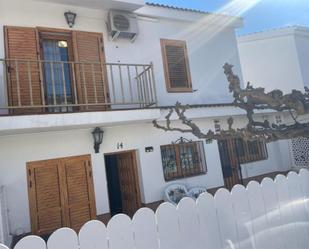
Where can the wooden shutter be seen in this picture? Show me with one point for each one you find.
(176, 66)
(22, 44)
(92, 79)
(45, 198)
(129, 183)
(79, 191)
(61, 194)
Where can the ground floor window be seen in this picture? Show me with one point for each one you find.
(183, 159)
(251, 150)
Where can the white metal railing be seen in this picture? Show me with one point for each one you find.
(273, 214)
(5, 237)
(66, 86)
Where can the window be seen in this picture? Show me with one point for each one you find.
(176, 66)
(250, 151)
(183, 160)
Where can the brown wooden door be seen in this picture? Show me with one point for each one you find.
(46, 201)
(230, 163)
(79, 192)
(24, 84)
(60, 194)
(129, 182)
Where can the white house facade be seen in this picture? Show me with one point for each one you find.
(283, 52)
(57, 84)
(278, 59)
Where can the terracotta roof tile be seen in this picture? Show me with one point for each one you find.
(177, 8)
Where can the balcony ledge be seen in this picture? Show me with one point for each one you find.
(10, 125)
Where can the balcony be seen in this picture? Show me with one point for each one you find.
(38, 86)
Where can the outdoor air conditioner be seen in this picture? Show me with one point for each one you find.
(122, 24)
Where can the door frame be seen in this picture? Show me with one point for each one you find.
(135, 168)
(57, 35)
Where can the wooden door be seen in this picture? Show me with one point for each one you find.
(60, 194)
(47, 206)
(129, 182)
(79, 191)
(229, 162)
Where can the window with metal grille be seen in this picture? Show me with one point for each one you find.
(183, 159)
(251, 151)
(176, 66)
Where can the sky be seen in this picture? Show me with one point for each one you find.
(258, 15)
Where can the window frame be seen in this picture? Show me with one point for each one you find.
(183, 45)
(181, 172)
(258, 146)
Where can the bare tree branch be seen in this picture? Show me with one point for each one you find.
(250, 99)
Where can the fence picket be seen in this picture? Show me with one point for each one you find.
(259, 221)
(145, 229)
(63, 238)
(93, 235)
(288, 236)
(226, 218)
(304, 182)
(243, 217)
(120, 232)
(188, 224)
(274, 214)
(271, 202)
(298, 207)
(33, 242)
(209, 227)
(168, 227)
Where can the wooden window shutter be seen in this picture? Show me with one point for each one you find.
(176, 66)
(45, 199)
(22, 44)
(92, 78)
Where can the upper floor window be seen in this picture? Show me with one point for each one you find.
(183, 159)
(176, 66)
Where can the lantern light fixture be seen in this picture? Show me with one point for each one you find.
(97, 134)
(70, 18)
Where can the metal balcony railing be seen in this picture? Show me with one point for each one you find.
(36, 86)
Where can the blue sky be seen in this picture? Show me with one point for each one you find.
(264, 15)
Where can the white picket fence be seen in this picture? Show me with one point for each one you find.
(273, 214)
(4, 222)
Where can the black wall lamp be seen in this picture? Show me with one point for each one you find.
(97, 134)
(70, 17)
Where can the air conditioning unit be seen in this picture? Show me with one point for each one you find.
(122, 24)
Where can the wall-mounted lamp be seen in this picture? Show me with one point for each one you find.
(70, 17)
(97, 134)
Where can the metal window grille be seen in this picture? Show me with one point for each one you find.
(183, 159)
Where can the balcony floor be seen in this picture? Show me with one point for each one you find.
(20, 124)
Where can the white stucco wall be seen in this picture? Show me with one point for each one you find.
(209, 44)
(278, 161)
(302, 46)
(16, 150)
(270, 60)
